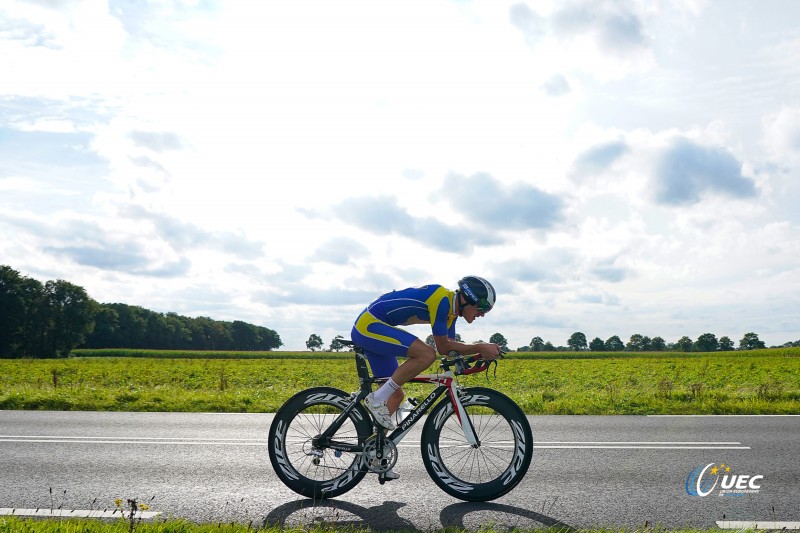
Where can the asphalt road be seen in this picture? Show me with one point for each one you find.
(587, 471)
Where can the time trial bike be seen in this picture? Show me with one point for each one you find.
(476, 442)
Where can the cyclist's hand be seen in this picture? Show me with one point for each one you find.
(489, 351)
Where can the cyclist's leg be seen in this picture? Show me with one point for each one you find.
(383, 344)
(419, 357)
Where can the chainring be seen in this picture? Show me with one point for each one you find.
(383, 464)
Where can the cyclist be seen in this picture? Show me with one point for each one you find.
(376, 332)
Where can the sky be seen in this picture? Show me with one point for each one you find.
(611, 167)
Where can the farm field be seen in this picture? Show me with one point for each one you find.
(754, 382)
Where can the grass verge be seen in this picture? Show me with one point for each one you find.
(18, 525)
(760, 382)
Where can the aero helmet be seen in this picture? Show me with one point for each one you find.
(477, 291)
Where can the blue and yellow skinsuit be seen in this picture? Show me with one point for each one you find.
(382, 342)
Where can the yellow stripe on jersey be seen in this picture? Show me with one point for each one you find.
(365, 321)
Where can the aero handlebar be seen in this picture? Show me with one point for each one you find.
(464, 365)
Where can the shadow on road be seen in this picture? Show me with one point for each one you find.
(384, 517)
(512, 517)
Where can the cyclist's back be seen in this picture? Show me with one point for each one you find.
(415, 305)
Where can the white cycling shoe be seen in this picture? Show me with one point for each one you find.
(379, 411)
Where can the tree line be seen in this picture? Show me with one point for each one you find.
(706, 342)
(51, 319)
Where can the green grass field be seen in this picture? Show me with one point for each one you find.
(757, 382)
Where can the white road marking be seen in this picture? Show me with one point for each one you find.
(641, 445)
(714, 416)
(623, 442)
(667, 447)
(134, 440)
(75, 513)
(177, 441)
(216, 439)
(756, 524)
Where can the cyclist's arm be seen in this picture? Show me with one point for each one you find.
(443, 335)
(487, 350)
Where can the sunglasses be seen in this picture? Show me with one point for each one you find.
(484, 306)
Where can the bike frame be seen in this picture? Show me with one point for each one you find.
(444, 381)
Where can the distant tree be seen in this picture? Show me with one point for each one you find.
(750, 342)
(636, 343)
(46, 320)
(658, 344)
(13, 309)
(707, 342)
(684, 344)
(500, 340)
(268, 338)
(314, 342)
(200, 332)
(106, 328)
(133, 325)
(158, 334)
(614, 344)
(245, 336)
(336, 343)
(577, 341)
(37, 321)
(71, 316)
(548, 347)
(725, 344)
(537, 344)
(182, 333)
(647, 343)
(42, 320)
(597, 345)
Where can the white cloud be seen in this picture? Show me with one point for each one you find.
(687, 171)
(613, 167)
(557, 85)
(782, 134)
(529, 22)
(615, 26)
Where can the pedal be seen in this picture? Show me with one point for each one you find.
(388, 476)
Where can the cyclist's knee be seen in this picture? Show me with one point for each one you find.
(421, 351)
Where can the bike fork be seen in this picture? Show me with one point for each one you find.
(463, 418)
